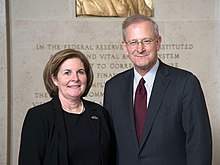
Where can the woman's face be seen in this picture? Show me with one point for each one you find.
(71, 79)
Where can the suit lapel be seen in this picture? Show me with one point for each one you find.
(127, 95)
(160, 85)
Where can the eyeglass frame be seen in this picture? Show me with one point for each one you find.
(136, 42)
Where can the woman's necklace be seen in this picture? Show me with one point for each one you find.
(75, 112)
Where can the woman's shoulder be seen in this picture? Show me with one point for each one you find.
(96, 108)
(92, 104)
(42, 110)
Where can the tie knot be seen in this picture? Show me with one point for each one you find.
(141, 88)
(142, 81)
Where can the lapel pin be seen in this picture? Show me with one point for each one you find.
(94, 117)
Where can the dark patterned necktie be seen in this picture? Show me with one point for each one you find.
(140, 108)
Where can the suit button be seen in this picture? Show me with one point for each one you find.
(102, 144)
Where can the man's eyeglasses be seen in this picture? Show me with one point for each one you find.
(145, 42)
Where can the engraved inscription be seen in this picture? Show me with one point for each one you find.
(107, 60)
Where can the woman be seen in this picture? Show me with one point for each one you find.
(67, 130)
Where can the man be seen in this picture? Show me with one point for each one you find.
(176, 128)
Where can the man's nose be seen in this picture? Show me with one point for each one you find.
(140, 47)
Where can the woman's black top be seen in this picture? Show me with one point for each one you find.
(83, 147)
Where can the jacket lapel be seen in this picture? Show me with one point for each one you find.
(127, 95)
(60, 127)
(160, 85)
(96, 120)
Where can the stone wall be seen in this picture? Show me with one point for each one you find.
(190, 33)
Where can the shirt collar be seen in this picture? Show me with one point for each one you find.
(149, 77)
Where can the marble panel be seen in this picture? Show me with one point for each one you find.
(185, 9)
(190, 38)
(41, 9)
(3, 85)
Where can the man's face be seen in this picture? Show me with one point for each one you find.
(141, 45)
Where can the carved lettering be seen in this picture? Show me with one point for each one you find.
(168, 56)
(108, 47)
(107, 60)
(105, 75)
(95, 94)
(78, 47)
(41, 95)
(121, 66)
(109, 56)
(176, 46)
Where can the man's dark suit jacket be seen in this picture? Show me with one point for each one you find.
(44, 139)
(177, 128)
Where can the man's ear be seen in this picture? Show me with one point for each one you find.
(124, 46)
(159, 40)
